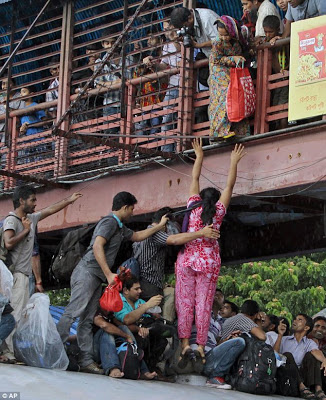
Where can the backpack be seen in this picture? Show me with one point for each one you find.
(5, 255)
(70, 251)
(286, 381)
(255, 369)
(130, 357)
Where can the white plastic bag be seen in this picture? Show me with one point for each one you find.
(37, 341)
(6, 280)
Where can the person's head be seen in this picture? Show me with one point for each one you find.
(108, 40)
(247, 5)
(271, 26)
(5, 81)
(168, 30)
(131, 289)
(210, 197)
(302, 324)
(160, 213)
(24, 197)
(154, 41)
(92, 51)
(222, 32)
(123, 203)
(180, 17)
(319, 329)
(54, 66)
(250, 308)
(283, 4)
(295, 3)
(229, 29)
(229, 309)
(27, 90)
(218, 298)
(270, 323)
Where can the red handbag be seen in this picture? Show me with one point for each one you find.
(241, 96)
(111, 299)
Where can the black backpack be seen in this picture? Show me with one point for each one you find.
(130, 356)
(255, 370)
(70, 251)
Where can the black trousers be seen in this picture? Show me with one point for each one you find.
(309, 373)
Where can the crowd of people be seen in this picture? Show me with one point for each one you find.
(192, 329)
(226, 42)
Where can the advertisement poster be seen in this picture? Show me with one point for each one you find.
(307, 97)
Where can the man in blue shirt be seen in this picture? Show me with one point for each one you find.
(135, 315)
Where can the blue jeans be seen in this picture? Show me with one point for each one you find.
(7, 324)
(170, 95)
(220, 359)
(105, 351)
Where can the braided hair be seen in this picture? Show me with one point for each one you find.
(210, 197)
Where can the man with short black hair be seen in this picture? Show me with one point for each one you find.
(245, 322)
(229, 309)
(134, 309)
(319, 332)
(201, 22)
(19, 232)
(95, 268)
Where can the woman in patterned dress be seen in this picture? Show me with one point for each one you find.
(198, 265)
(226, 53)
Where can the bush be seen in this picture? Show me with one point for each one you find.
(59, 297)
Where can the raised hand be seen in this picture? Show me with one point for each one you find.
(197, 145)
(237, 153)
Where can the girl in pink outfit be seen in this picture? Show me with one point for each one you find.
(198, 265)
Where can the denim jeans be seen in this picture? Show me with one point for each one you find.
(170, 95)
(220, 359)
(7, 324)
(105, 352)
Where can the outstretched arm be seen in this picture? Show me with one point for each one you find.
(59, 206)
(144, 234)
(196, 169)
(236, 156)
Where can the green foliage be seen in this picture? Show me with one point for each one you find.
(59, 297)
(284, 287)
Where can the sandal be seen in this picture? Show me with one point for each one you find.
(307, 394)
(198, 362)
(320, 395)
(185, 358)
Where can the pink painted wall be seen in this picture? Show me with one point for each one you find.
(158, 186)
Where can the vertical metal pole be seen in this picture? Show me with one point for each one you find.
(61, 149)
(12, 40)
(123, 89)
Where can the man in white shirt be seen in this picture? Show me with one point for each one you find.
(201, 22)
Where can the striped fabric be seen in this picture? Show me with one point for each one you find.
(215, 328)
(151, 254)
